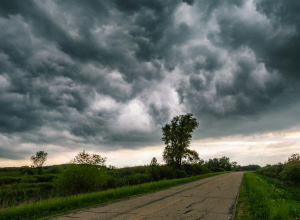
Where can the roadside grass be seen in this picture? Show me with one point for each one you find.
(242, 210)
(267, 198)
(62, 205)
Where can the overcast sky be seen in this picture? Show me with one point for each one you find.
(105, 76)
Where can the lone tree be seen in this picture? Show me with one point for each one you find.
(177, 136)
(86, 158)
(154, 162)
(39, 159)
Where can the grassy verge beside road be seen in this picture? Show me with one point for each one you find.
(63, 205)
(266, 198)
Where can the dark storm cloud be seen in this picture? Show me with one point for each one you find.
(248, 44)
(47, 88)
(114, 72)
(283, 50)
(7, 154)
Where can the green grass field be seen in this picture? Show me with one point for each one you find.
(63, 205)
(266, 198)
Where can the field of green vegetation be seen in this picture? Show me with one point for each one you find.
(25, 185)
(262, 197)
(272, 192)
(30, 185)
(37, 191)
(61, 205)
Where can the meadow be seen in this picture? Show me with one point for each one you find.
(33, 193)
(25, 185)
(60, 205)
(263, 197)
(272, 192)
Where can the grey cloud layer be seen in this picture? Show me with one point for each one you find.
(111, 73)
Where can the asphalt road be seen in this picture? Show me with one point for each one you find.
(211, 198)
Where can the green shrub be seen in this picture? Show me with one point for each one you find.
(114, 182)
(9, 180)
(137, 178)
(55, 170)
(220, 169)
(36, 185)
(80, 178)
(45, 177)
(195, 169)
(28, 170)
(270, 174)
(166, 172)
(291, 172)
(180, 173)
(279, 168)
(25, 178)
(154, 172)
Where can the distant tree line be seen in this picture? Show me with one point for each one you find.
(288, 171)
(250, 167)
(88, 172)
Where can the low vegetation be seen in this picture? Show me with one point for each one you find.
(86, 181)
(62, 205)
(288, 171)
(266, 198)
(20, 187)
(242, 211)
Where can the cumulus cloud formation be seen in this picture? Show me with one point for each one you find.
(110, 74)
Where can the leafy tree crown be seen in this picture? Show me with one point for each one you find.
(86, 158)
(177, 136)
(39, 158)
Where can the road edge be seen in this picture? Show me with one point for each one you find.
(233, 208)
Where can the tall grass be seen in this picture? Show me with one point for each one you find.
(242, 211)
(63, 205)
(271, 199)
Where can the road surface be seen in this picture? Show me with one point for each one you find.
(211, 198)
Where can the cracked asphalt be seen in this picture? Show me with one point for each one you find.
(211, 198)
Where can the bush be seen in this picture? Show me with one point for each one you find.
(9, 180)
(114, 182)
(28, 170)
(80, 178)
(279, 168)
(154, 172)
(45, 177)
(180, 173)
(270, 174)
(25, 178)
(220, 170)
(137, 178)
(195, 169)
(45, 186)
(166, 172)
(291, 172)
(55, 170)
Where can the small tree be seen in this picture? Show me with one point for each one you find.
(294, 157)
(177, 136)
(86, 158)
(80, 178)
(201, 161)
(154, 170)
(39, 158)
(234, 164)
(153, 162)
(82, 175)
